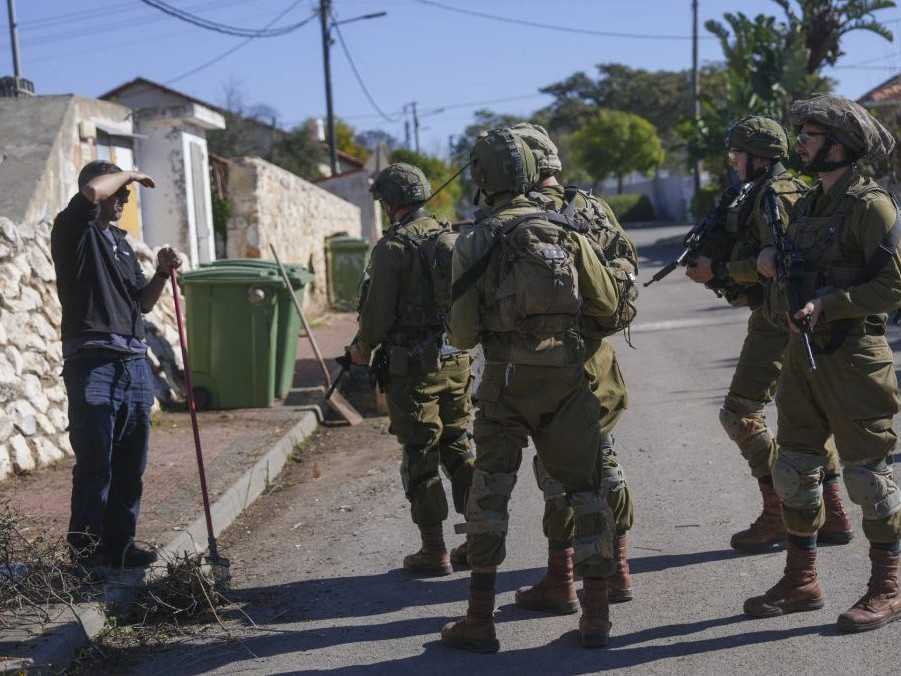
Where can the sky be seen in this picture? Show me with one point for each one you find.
(449, 63)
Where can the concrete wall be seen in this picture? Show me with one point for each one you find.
(271, 205)
(670, 194)
(168, 210)
(354, 188)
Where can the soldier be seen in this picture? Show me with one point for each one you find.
(757, 145)
(846, 232)
(556, 591)
(425, 380)
(521, 284)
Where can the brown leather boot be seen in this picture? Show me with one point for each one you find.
(459, 556)
(556, 592)
(432, 559)
(594, 624)
(768, 530)
(797, 591)
(475, 632)
(882, 602)
(837, 529)
(619, 586)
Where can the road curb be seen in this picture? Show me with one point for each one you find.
(74, 627)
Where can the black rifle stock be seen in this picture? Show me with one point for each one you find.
(789, 273)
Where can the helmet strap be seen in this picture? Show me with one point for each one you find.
(820, 164)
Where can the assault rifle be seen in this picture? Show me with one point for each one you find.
(789, 273)
(699, 234)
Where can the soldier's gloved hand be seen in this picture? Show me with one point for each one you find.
(766, 262)
(701, 270)
(811, 311)
(357, 354)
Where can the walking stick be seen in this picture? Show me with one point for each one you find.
(213, 556)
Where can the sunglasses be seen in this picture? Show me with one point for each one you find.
(806, 136)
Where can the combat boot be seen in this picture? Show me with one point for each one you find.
(768, 530)
(556, 592)
(459, 556)
(882, 602)
(432, 559)
(594, 624)
(797, 591)
(475, 632)
(619, 586)
(837, 529)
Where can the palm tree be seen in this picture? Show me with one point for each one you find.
(824, 23)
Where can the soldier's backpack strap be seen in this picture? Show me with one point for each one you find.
(469, 277)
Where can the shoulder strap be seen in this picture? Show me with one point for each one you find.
(465, 282)
(887, 247)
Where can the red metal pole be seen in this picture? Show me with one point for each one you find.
(192, 407)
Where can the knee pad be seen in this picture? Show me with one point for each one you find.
(613, 479)
(798, 479)
(592, 505)
(480, 519)
(743, 419)
(553, 490)
(873, 487)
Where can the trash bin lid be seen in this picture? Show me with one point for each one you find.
(298, 274)
(231, 276)
(347, 242)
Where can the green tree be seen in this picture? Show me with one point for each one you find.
(345, 139)
(437, 171)
(823, 23)
(616, 143)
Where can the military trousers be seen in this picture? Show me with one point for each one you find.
(430, 414)
(853, 396)
(607, 382)
(557, 408)
(753, 386)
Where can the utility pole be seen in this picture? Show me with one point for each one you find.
(406, 130)
(325, 13)
(415, 126)
(695, 86)
(14, 37)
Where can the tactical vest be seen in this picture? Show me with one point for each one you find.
(424, 299)
(830, 264)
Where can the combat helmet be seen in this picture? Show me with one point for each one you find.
(547, 158)
(502, 162)
(759, 136)
(847, 123)
(401, 185)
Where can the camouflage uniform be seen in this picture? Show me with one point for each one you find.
(847, 238)
(534, 385)
(426, 382)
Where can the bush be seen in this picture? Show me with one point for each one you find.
(631, 207)
(703, 201)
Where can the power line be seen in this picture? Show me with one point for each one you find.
(554, 27)
(242, 44)
(219, 27)
(54, 38)
(359, 78)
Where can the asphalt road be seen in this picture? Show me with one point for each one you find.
(335, 601)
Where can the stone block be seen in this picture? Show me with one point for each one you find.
(6, 465)
(44, 424)
(7, 369)
(34, 362)
(58, 418)
(15, 358)
(41, 265)
(56, 393)
(23, 416)
(27, 301)
(62, 441)
(47, 451)
(22, 458)
(10, 281)
(9, 232)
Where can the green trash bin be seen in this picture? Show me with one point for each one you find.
(347, 258)
(232, 320)
(288, 319)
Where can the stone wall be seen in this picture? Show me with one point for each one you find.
(271, 205)
(33, 408)
(354, 186)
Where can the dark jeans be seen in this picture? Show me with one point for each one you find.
(109, 426)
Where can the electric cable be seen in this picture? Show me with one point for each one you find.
(219, 27)
(359, 78)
